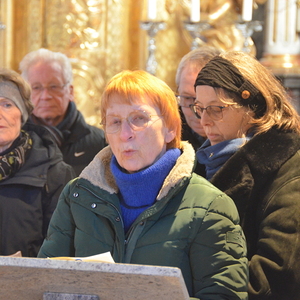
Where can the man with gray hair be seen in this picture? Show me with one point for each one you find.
(187, 71)
(50, 77)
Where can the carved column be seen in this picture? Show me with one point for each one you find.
(282, 42)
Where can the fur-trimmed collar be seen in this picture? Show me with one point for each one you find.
(264, 154)
(254, 165)
(99, 174)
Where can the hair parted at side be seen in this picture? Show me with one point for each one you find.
(47, 56)
(280, 113)
(141, 87)
(23, 86)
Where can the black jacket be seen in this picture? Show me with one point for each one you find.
(263, 179)
(187, 134)
(78, 141)
(28, 199)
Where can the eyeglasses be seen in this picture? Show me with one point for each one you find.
(214, 111)
(185, 101)
(137, 120)
(52, 89)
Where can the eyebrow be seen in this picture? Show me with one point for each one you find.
(211, 102)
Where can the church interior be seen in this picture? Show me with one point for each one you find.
(103, 37)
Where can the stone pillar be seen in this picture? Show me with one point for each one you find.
(282, 41)
(282, 45)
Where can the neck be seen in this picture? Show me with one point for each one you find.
(47, 121)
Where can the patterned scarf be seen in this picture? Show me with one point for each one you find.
(12, 159)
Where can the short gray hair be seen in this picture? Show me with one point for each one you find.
(198, 58)
(47, 56)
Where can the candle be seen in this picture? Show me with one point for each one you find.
(298, 17)
(195, 11)
(247, 10)
(151, 9)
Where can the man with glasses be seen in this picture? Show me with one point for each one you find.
(50, 77)
(187, 71)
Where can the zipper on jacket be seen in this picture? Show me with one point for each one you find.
(130, 242)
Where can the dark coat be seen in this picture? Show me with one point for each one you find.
(187, 134)
(192, 226)
(28, 199)
(82, 144)
(78, 141)
(263, 179)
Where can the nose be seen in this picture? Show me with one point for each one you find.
(206, 120)
(44, 94)
(126, 132)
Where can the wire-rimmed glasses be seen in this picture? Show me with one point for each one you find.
(52, 88)
(185, 101)
(137, 120)
(214, 111)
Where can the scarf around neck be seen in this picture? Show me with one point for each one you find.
(12, 159)
(214, 157)
(139, 190)
(62, 131)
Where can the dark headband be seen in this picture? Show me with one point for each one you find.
(221, 73)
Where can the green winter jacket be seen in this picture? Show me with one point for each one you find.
(192, 226)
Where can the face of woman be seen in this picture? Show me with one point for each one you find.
(136, 149)
(232, 124)
(10, 123)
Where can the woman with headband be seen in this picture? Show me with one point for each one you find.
(252, 154)
(32, 172)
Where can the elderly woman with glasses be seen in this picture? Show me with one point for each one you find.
(253, 154)
(140, 200)
(32, 171)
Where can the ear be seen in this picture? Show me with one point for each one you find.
(71, 91)
(169, 135)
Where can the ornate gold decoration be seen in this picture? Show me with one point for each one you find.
(103, 37)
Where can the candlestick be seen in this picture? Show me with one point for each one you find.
(152, 28)
(247, 29)
(195, 30)
(247, 10)
(151, 12)
(195, 11)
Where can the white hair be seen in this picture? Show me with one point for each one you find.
(198, 58)
(46, 56)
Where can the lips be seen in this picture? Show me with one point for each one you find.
(128, 153)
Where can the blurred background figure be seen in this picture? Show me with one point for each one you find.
(32, 171)
(140, 200)
(188, 69)
(50, 77)
(252, 153)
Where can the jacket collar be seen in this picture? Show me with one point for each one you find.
(99, 174)
(251, 167)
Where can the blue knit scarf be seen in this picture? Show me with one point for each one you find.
(139, 190)
(214, 157)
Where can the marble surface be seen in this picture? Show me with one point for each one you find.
(30, 278)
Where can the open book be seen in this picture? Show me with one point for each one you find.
(102, 257)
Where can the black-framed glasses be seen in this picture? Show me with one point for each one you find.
(185, 101)
(137, 120)
(52, 88)
(214, 111)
